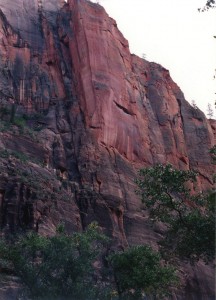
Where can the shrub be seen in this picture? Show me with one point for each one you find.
(58, 266)
(138, 271)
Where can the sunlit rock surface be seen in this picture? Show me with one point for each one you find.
(104, 113)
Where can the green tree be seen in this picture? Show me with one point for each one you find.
(189, 217)
(213, 154)
(61, 267)
(209, 4)
(138, 272)
(56, 267)
(212, 194)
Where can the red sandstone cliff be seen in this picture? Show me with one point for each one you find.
(103, 114)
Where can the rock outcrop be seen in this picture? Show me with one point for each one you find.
(93, 115)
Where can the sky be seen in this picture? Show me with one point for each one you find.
(174, 34)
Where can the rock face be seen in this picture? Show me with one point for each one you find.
(94, 114)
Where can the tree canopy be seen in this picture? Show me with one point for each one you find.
(56, 267)
(138, 272)
(62, 267)
(209, 4)
(168, 194)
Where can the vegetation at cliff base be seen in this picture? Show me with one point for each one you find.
(139, 272)
(63, 267)
(56, 267)
(72, 266)
(169, 195)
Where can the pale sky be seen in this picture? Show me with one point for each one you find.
(174, 34)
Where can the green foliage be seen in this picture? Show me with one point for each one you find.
(212, 152)
(4, 153)
(194, 241)
(138, 271)
(11, 121)
(163, 191)
(189, 218)
(209, 5)
(35, 179)
(19, 121)
(5, 126)
(61, 267)
(212, 194)
(58, 266)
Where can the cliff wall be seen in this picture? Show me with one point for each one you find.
(98, 114)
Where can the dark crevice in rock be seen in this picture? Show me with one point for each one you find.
(72, 74)
(125, 110)
(180, 111)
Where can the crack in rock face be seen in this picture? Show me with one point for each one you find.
(88, 115)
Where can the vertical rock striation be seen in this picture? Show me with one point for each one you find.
(103, 114)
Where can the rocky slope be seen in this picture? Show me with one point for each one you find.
(86, 114)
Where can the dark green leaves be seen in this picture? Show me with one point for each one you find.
(138, 271)
(189, 217)
(163, 191)
(209, 4)
(58, 266)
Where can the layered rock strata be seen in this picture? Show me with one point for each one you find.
(98, 114)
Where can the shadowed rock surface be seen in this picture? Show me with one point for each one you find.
(95, 114)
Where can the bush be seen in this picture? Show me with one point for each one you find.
(138, 271)
(58, 266)
(189, 217)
